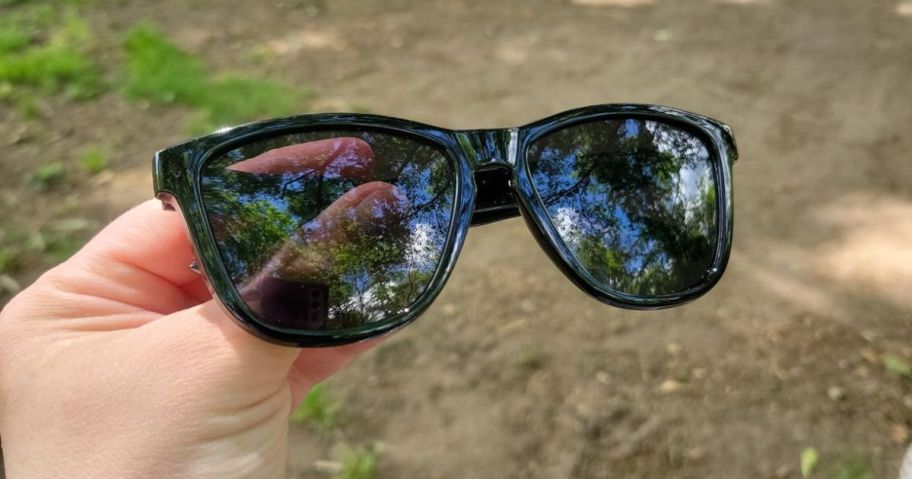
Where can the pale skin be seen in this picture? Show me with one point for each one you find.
(119, 363)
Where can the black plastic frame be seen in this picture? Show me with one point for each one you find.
(490, 166)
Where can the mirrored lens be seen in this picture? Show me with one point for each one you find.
(330, 230)
(634, 201)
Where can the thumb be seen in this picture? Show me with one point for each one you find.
(206, 338)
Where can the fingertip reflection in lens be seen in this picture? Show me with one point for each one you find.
(330, 230)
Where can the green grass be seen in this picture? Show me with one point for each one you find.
(160, 72)
(45, 247)
(46, 51)
(93, 159)
(318, 408)
(897, 365)
(9, 260)
(358, 463)
(48, 176)
(854, 467)
(58, 240)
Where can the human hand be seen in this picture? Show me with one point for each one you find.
(118, 363)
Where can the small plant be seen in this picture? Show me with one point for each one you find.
(49, 175)
(897, 365)
(358, 463)
(856, 467)
(7, 260)
(13, 249)
(93, 160)
(318, 408)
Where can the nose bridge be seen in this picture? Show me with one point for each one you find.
(484, 148)
(492, 154)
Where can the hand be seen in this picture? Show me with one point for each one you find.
(118, 363)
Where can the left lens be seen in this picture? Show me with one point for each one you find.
(634, 201)
(331, 229)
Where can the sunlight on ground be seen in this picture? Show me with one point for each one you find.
(904, 9)
(613, 3)
(130, 186)
(512, 53)
(869, 251)
(746, 2)
(875, 249)
(303, 41)
(789, 283)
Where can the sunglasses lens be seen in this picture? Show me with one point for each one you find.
(330, 230)
(633, 200)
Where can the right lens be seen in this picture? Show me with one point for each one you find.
(633, 199)
(330, 230)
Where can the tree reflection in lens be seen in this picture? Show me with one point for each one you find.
(330, 230)
(633, 200)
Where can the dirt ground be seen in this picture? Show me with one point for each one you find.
(513, 372)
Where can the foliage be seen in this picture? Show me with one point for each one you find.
(158, 71)
(44, 50)
(318, 408)
(634, 200)
(94, 159)
(53, 243)
(855, 467)
(897, 365)
(49, 175)
(358, 463)
(252, 226)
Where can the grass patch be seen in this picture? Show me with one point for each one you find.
(318, 408)
(358, 463)
(48, 176)
(848, 466)
(93, 160)
(158, 71)
(46, 51)
(9, 260)
(60, 239)
(50, 245)
(855, 467)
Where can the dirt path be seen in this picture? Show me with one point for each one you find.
(513, 372)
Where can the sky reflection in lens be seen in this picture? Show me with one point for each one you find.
(633, 200)
(330, 230)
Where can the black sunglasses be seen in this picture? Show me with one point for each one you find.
(325, 229)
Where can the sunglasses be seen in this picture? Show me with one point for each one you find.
(325, 229)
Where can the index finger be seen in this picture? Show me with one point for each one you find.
(348, 156)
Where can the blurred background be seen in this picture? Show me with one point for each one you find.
(799, 363)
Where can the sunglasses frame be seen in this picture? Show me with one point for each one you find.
(177, 180)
